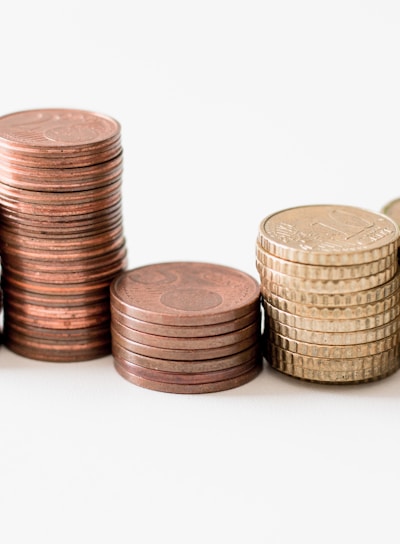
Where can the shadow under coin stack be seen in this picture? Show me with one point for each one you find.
(61, 231)
(186, 327)
(330, 291)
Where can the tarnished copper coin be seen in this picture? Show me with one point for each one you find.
(185, 293)
(211, 387)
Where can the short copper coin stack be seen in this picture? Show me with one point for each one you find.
(61, 234)
(186, 327)
(330, 289)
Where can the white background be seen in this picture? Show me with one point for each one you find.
(230, 111)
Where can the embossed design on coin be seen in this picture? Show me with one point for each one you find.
(192, 300)
(328, 235)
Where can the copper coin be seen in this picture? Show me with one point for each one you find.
(54, 299)
(56, 355)
(63, 209)
(185, 332)
(73, 257)
(13, 313)
(185, 293)
(61, 312)
(185, 378)
(57, 130)
(49, 289)
(178, 343)
(51, 277)
(61, 221)
(72, 261)
(59, 343)
(190, 366)
(79, 336)
(61, 179)
(213, 387)
(182, 354)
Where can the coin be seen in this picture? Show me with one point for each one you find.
(190, 366)
(61, 233)
(330, 325)
(185, 293)
(329, 235)
(185, 343)
(319, 272)
(185, 331)
(392, 209)
(313, 349)
(184, 377)
(212, 387)
(357, 370)
(182, 354)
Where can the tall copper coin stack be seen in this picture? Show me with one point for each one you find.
(61, 232)
(330, 290)
(186, 327)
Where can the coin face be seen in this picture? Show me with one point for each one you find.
(56, 128)
(185, 293)
(330, 235)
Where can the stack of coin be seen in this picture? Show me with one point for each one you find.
(186, 327)
(330, 292)
(61, 234)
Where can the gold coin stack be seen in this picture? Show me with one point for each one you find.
(330, 290)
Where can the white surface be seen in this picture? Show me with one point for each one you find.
(230, 111)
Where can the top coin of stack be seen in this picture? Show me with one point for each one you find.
(61, 233)
(186, 327)
(330, 290)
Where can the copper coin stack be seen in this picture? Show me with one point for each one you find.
(186, 327)
(61, 233)
(330, 292)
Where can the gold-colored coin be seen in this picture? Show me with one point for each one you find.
(329, 351)
(322, 273)
(361, 369)
(359, 311)
(331, 300)
(335, 338)
(329, 235)
(330, 325)
(327, 286)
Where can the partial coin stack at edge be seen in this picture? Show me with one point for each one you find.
(186, 327)
(330, 290)
(61, 235)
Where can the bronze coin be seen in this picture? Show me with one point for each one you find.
(22, 308)
(185, 293)
(182, 354)
(213, 387)
(178, 343)
(185, 378)
(59, 343)
(188, 331)
(190, 366)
